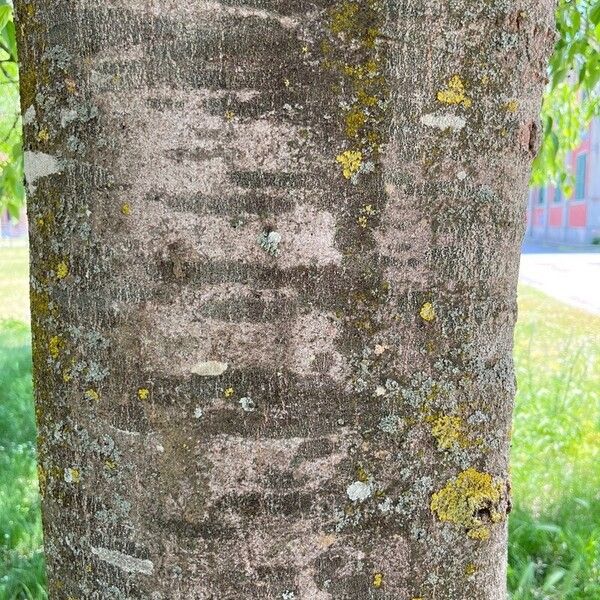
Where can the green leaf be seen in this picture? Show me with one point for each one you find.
(570, 102)
(5, 16)
(594, 14)
(10, 38)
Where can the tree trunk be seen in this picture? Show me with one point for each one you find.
(274, 252)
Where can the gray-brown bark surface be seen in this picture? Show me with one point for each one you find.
(274, 255)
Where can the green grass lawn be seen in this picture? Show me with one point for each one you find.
(555, 527)
(21, 560)
(14, 300)
(554, 549)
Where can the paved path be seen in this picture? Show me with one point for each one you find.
(569, 274)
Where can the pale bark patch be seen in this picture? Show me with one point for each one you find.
(208, 11)
(240, 465)
(37, 166)
(443, 121)
(307, 236)
(128, 563)
(177, 343)
(359, 491)
(209, 368)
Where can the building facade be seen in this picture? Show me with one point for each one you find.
(11, 229)
(552, 217)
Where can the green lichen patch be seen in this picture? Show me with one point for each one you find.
(470, 500)
(269, 241)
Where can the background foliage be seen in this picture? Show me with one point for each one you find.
(571, 99)
(12, 192)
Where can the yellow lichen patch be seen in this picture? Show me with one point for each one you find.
(377, 580)
(365, 212)
(365, 99)
(56, 585)
(126, 208)
(343, 19)
(470, 569)
(481, 533)
(111, 465)
(62, 270)
(92, 395)
(228, 392)
(42, 480)
(466, 499)
(511, 106)
(362, 475)
(454, 93)
(229, 115)
(351, 161)
(355, 121)
(325, 47)
(72, 475)
(448, 432)
(70, 85)
(427, 312)
(354, 20)
(43, 135)
(54, 345)
(356, 25)
(143, 393)
(370, 37)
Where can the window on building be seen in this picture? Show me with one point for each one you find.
(558, 195)
(580, 177)
(542, 196)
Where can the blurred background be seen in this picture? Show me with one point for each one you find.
(554, 549)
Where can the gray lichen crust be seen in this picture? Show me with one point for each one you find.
(274, 253)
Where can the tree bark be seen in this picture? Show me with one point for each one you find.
(274, 253)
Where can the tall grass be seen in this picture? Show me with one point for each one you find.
(21, 559)
(554, 544)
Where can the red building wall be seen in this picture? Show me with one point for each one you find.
(577, 215)
(555, 217)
